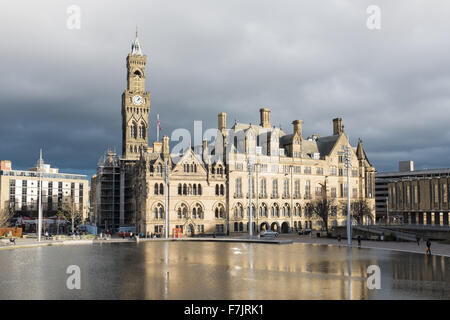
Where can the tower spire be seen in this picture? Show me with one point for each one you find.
(136, 46)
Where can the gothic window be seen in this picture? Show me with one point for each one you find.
(184, 189)
(161, 188)
(286, 211)
(156, 189)
(180, 192)
(222, 190)
(195, 189)
(217, 190)
(182, 212)
(275, 187)
(197, 212)
(286, 188)
(142, 131)
(199, 189)
(238, 186)
(297, 188)
(263, 187)
(134, 129)
(220, 212)
(263, 210)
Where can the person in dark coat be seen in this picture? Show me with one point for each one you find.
(428, 249)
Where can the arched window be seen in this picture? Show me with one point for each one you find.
(133, 130)
(142, 131)
(263, 210)
(241, 226)
(263, 187)
(199, 190)
(180, 191)
(184, 189)
(217, 190)
(236, 227)
(275, 211)
(182, 212)
(159, 211)
(222, 190)
(220, 211)
(161, 188)
(286, 211)
(156, 188)
(195, 189)
(197, 212)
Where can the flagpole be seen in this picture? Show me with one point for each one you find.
(157, 128)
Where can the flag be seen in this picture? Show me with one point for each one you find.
(159, 124)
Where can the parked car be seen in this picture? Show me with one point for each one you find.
(269, 233)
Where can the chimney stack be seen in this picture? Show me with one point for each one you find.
(337, 126)
(298, 127)
(222, 121)
(265, 117)
(165, 147)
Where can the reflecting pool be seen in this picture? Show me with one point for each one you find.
(216, 270)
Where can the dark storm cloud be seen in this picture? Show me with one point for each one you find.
(312, 60)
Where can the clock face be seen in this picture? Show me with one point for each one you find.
(137, 100)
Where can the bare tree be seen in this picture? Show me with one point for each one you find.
(360, 209)
(59, 215)
(321, 207)
(6, 214)
(70, 211)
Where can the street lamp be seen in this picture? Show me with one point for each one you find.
(166, 192)
(348, 165)
(40, 198)
(250, 207)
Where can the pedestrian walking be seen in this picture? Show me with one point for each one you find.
(428, 249)
(359, 241)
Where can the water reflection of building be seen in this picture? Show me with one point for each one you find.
(244, 271)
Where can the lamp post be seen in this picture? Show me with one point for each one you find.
(250, 208)
(347, 164)
(40, 198)
(166, 193)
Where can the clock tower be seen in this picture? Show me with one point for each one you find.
(135, 105)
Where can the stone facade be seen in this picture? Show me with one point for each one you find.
(288, 172)
(207, 187)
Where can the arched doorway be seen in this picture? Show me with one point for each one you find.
(285, 227)
(264, 226)
(190, 230)
(275, 226)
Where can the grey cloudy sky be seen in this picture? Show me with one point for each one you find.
(312, 60)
